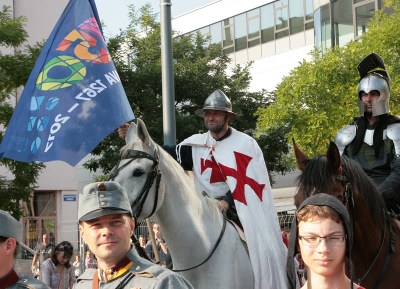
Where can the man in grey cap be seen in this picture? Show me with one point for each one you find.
(106, 225)
(10, 237)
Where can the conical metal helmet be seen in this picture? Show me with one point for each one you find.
(373, 76)
(217, 101)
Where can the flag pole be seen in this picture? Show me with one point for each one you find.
(153, 241)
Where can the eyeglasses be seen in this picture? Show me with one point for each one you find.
(314, 241)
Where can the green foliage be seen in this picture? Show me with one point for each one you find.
(14, 72)
(12, 32)
(319, 96)
(199, 69)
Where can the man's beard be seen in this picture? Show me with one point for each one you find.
(216, 129)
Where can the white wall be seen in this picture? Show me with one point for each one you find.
(212, 13)
(42, 15)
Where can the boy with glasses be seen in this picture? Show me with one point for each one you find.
(322, 233)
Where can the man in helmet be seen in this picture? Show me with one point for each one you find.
(373, 139)
(229, 166)
(217, 113)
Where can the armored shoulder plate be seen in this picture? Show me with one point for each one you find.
(345, 136)
(393, 133)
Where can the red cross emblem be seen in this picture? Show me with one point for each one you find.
(219, 171)
(216, 174)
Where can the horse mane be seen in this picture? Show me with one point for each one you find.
(189, 192)
(317, 178)
(365, 189)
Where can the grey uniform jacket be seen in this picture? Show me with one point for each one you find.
(142, 274)
(28, 282)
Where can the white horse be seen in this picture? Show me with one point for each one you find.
(204, 248)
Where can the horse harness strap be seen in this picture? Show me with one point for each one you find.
(154, 174)
(382, 272)
(212, 251)
(349, 202)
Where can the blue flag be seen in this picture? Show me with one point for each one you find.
(73, 98)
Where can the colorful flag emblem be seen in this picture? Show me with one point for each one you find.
(73, 98)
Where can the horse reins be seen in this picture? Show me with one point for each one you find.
(348, 201)
(154, 174)
(221, 234)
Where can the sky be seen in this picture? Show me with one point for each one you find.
(114, 13)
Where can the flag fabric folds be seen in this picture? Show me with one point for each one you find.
(73, 98)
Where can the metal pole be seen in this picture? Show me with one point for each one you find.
(168, 94)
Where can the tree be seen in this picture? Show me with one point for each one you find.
(14, 71)
(320, 96)
(199, 69)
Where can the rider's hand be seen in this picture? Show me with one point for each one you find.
(222, 205)
(122, 130)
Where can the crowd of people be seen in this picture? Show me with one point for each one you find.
(321, 231)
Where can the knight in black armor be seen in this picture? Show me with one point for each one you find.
(373, 139)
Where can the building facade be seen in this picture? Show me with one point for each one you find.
(277, 35)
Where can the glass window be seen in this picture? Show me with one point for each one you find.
(216, 33)
(253, 27)
(253, 23)
(205, 32)
(296, 10)
(322, 28)
(281, 15)
(363, 15)
(267, 23)
(309, 8)
(228, 33)
(240, 32)
(343, 22)
(281, 19)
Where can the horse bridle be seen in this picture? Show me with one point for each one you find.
(348, 201)
(153, 174)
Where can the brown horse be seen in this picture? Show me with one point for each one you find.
(376, 247)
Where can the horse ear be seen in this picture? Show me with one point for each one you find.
(131, 133)
(301, 158)
(333, 157)
(142, 132)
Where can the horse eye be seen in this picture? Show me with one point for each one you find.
(138, 172)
